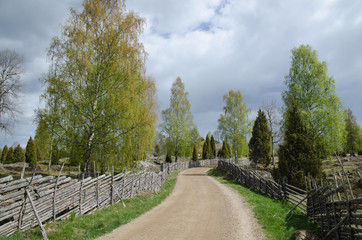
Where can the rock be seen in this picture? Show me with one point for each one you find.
(307, 235)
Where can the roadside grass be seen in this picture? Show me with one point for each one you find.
(102, 221)
(271, 213)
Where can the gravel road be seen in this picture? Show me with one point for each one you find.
(198, 208)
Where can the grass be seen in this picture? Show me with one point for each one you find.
(271, 213)
(102, 221)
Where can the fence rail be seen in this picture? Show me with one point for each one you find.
(56, 198)
(339, 219)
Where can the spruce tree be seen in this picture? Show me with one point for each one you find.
(213, 147)
(194, 155)
(3, 154)
(10, 156)
(297, 156)
(19, 154)
(259, 145)
(30, 153)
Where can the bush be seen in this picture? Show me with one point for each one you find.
(168, 158)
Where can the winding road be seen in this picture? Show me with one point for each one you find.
(198, 208)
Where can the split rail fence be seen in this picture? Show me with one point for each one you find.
(332, 207)
(31, 201)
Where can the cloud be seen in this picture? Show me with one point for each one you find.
(213, 45)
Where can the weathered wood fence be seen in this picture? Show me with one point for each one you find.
(28, 202)
(339, 218)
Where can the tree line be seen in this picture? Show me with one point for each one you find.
(100, 105)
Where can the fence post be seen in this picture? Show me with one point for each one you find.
(80, 195)
(284, 188)
(112, 181)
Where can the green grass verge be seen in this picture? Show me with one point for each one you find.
(271, 213)
(103, 221)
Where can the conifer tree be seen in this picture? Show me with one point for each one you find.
(206, 149)
(19, 154)
(30, 153)
(259, 145)
(213, 147)
(225, 150)
(10, 156)
(4, 153)
(194, 155)
(297, 156)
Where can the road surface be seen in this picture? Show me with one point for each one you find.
(198, 208)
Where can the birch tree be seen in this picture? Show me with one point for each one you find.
(104, 101)
(178, 121)
(234, 125)
(313, 90)
(11, 68)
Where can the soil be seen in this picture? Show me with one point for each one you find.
(198, 208)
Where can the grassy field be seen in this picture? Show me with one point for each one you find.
(103, 221)
(271, 214)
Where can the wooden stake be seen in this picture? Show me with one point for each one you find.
(36, 215)
(23, 171)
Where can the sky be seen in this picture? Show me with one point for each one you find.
(213, 45)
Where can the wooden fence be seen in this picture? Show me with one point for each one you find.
(29, 202)
(339, 218)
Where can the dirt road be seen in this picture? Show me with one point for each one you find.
(198, 208)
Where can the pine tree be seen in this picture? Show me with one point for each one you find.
(213, 147)
(297, 156)
(10, 156)
(4, 153)
(19, 154)
(259, 145)
(30, 153)
(194, 155)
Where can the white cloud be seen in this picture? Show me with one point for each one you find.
(213, 45)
